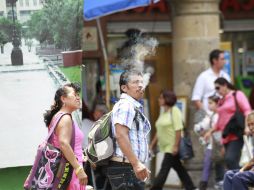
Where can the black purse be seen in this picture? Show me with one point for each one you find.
(236, 124)
(185, 148)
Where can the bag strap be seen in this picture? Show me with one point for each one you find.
(137, 113)
(53, 126)
(236, 102)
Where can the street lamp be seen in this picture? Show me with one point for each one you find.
(16, 54)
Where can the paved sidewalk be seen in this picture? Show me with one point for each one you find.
(28, 57)
(26, 92)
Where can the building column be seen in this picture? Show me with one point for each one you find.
(195, 25)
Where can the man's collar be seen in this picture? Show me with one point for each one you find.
(212, 71)
(130, 99)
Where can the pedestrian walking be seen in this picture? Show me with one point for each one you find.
(232, 99)
(169, 127)
(67, 100)
(213, 147)
(204, 88)
(204, 85)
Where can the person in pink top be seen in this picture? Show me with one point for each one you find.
(227, 107)
(67, 100)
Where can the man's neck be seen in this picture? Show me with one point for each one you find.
(216, 70)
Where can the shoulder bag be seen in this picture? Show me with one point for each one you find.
(50, 171)
(236, 124)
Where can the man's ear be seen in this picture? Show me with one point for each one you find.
(123, 88)
(215, 60)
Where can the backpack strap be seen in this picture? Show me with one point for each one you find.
(138, 115)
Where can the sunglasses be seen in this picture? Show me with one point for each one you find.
(217, 87)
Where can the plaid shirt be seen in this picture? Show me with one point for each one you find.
(123, 113)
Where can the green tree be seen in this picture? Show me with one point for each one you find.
(60, 22)
(38, 28)
(3, 40)
(6, 26)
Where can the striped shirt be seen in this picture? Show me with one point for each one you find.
(123, 113)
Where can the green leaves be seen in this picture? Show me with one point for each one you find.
(59, 22)
(3, 38)
(6, 28)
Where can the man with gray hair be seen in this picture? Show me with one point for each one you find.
(130, 128)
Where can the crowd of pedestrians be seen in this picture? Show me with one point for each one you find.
(217, 103)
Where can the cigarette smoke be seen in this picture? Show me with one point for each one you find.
(144, 46)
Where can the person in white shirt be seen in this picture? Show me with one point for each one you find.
(204, 86)
(203, 89)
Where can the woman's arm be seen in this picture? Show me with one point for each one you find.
(64, 133)
(177, 142)
(243, 103)
(153, 142)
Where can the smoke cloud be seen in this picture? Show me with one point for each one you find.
(143, 47)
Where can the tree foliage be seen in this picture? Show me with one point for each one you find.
(59, 22)
(6, 28)
(3, 38)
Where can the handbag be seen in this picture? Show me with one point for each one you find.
(236, 124)
(50, 170)
(185, 147)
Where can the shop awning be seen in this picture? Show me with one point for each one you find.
(98, 8)
(94, 9)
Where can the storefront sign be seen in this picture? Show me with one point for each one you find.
(229, 65)
(226, 5)
(237, 5)
(242, 7)
(90, 39)
(161, 6)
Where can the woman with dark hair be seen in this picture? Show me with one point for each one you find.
(227, 107)
(67, 100)
(169, 126)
